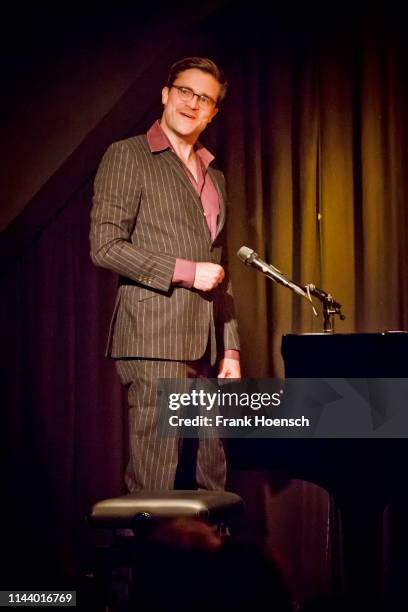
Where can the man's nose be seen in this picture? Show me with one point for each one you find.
(193, 103)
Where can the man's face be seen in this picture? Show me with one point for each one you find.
(186, 118)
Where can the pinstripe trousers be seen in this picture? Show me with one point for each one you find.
(156, 462)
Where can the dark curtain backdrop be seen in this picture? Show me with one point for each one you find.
(312, 139)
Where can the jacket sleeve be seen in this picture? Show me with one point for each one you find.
(116, 202)
(226, 322)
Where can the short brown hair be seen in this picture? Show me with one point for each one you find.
(199, 63)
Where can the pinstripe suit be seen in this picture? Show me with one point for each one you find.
(146, 214)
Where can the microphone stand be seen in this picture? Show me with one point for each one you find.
(331, 308)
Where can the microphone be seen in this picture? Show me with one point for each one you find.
(250, 258)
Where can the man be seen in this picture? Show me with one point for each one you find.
(157, 220)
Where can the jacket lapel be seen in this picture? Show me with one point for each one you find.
(175, 164)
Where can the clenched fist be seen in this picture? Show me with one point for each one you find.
(208, 276)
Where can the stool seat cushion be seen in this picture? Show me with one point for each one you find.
(211, 506)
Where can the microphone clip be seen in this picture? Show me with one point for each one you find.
(331, 308)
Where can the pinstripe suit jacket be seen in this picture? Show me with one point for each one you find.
(145, 214)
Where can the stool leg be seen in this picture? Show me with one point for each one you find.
(103, 579)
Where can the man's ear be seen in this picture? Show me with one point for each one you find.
(165, 94)
(213, 113)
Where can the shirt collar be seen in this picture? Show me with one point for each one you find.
(158, 141)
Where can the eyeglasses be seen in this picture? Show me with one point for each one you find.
(187, 94)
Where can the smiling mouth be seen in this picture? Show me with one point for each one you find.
(188, 115)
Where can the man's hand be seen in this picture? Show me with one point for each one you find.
(229, 368)
(208, 276)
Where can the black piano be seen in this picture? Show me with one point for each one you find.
(362, 475)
